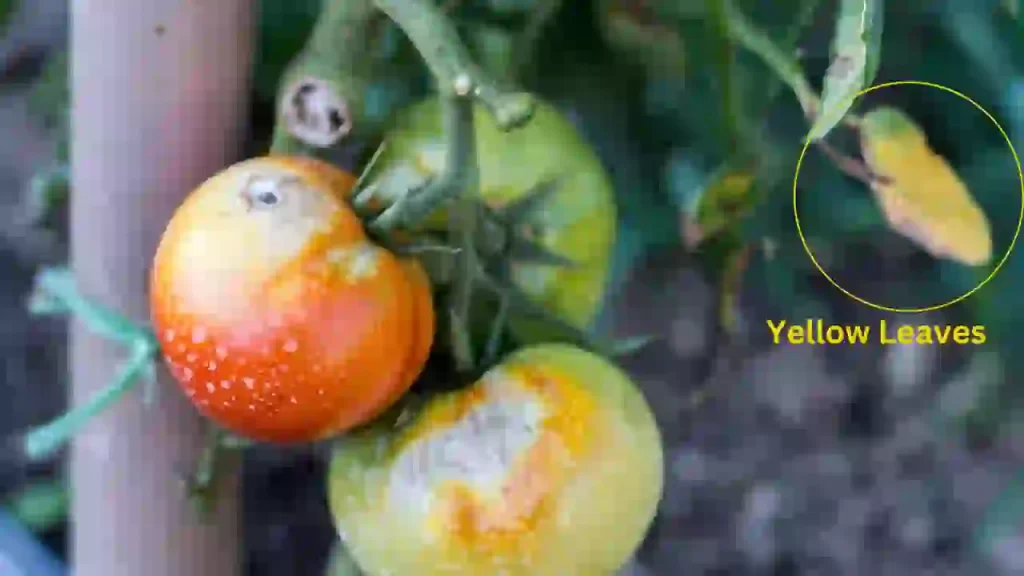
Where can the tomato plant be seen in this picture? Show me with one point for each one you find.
(576, 220)
(275, 312)
(549, 453)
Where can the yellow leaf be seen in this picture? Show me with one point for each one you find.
(921, 196)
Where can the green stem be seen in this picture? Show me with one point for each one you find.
(47, 439)
(458, 181)
(459, 172)
(784, 65)
(449, 61)
(202, 486)
(498, 326)
(802, 20)
(321, 98)
(462, 222)
(526, 43)
(523, 304)
(732, 109)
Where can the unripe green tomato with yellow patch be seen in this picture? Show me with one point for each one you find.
(578, 221)
(549, 465)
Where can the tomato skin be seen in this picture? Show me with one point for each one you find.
(550, 464)
(578, 222)
(276, 314)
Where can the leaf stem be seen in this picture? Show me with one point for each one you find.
(498, 325)
(851, 166)
(449, 61)
(203, 483)
(459, 172)
(462, 223)
(321, 95)
(784, 65)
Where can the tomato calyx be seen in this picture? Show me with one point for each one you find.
(504, 236)
(516, 224)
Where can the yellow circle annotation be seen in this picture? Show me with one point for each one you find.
(992, 274)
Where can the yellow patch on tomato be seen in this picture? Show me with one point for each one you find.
(497, 454)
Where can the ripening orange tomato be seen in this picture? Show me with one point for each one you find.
(551, 464)
(280, 319)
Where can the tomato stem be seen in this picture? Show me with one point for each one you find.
(462, 223)
(459, 173)
(321, 98)
(321, 95)
(523, 304)
(496, 337)
(203, 483)
(437, 41)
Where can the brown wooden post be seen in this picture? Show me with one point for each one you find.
(159, 102)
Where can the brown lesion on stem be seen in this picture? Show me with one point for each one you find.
(853, 167)
(314, 113)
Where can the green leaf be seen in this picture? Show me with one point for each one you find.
(41, 506)
(855, 58)
(782, 62)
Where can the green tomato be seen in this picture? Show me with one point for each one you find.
(577, 221)
(551, 464)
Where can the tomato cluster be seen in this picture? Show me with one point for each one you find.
(576, 221)
(284, 321)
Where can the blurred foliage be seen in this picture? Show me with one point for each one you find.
(699, 110)
(7, 8)
(341, 563)
(40, 506)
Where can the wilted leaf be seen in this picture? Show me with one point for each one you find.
(855, 57)
(921, 196)
(723, 200)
